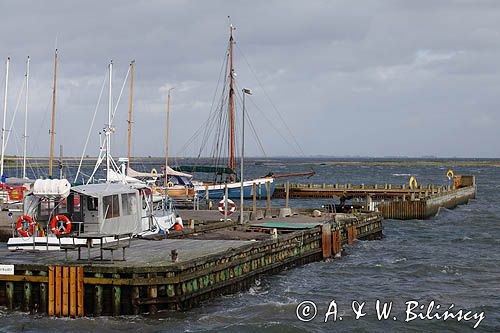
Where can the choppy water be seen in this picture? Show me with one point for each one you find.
(452, 258)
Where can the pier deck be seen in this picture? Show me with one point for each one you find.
(151, 278)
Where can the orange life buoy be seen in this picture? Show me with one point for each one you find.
(177, 226)
(58, 228)
(20, 224)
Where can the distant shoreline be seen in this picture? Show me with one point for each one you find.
(11, 162)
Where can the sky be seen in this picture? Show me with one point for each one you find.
(332, 78)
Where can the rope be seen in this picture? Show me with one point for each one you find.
(90, 129)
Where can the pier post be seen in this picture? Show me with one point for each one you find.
(287, 193)
(58, 290)
(9, 292)
(116, 295)
(65, 291)
(27, 293)
(73, 279)
(153, 294)
(268, 186)
(98, 297)
(134, 297)
(43, 294)
(51, 301)
(254, 201)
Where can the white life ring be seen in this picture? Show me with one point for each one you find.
(230, 209)
(170, 185)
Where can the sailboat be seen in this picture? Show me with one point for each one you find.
(225, 173)
(12, 189)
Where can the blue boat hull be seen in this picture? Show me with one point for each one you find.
(235, 193)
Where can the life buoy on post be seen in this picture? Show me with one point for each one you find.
(153, 171)
(21, 223)
(230, 209)
(413, 183)
(59, 228)
(450, 174)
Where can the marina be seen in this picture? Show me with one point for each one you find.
(183, 167)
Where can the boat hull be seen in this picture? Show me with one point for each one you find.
(216, 191)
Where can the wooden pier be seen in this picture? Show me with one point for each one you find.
(176, 271)
(394, 201)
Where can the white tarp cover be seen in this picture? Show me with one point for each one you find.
(51, 188)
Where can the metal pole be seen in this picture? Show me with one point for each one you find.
(51, 157)
(225, 202)
(242, 189)
(4, 114)
(26, 117)
(242, 197)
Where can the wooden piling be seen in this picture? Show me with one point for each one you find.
(79, 292)
(27, 293)
(9, 292)
(65, 291)
(52, 288)
(268, 187)
(43, 294)
(116, 295)
(98, 297)
(152, 294)
(254, 201)
(58, 290)
(287, 193)
(72, 291)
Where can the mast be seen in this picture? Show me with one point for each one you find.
(130, 112)
(51, 158)
(166, 140)
(109, 128)
(231, 99)
(4, 114)
(26, 117)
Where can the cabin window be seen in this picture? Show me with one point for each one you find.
(129, 204)
(111, 206)
(92, 204)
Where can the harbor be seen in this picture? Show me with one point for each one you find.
(249, 167)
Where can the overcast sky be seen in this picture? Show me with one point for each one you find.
(367, 78)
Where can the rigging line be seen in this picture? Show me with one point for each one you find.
(272, 125)
(270, 101)
(120, 96)
(15, 113)
(90, 129)
(256, 136)
(223, 66)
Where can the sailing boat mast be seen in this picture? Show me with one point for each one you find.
(130, 113)
(166, 140)
(4, 113)
(109, 127)
(51, 158)
(231, 99)
(26, 117)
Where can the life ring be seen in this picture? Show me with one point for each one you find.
(60, 229)
(170, 185)
(413, 183)
(450, 174)
(153, 171)
(230, 209)
(20, 223)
